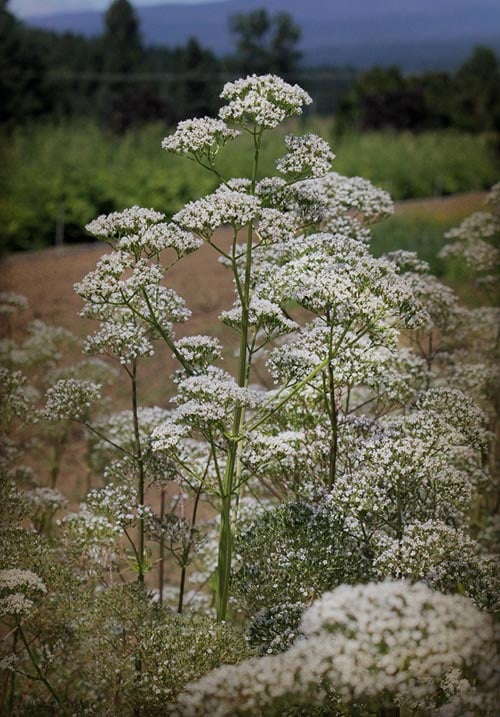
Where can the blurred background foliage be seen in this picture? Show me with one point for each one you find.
(81, 120)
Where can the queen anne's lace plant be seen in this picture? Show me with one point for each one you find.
(329, 451)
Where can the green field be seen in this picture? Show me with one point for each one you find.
(69, 174)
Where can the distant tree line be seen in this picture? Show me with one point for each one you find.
(121, 82)
(468, 100)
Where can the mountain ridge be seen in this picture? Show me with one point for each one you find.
(340, 32)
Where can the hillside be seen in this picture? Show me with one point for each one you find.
(425, 35)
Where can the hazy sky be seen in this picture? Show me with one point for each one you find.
(23, 8)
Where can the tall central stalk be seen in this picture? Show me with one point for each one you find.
(140, 465)
(233, 457)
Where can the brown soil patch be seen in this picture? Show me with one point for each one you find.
(47, 277)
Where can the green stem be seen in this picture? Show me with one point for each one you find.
(234, 451)
(59, 446)
(161, 561)
(187, 548)
(35, 665)
(140, 464)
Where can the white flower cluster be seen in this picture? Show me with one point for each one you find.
(90, 535)
(138, 231)
(493, 198)
(204, 400)
(199, 350)
(17, 590)
(106, 285)
(199, 136)
(355, 358)
(463, 420)
(480, 225)
(286, 448)
(477, 255)
(70, 399)
(362, 642)
(224, 206)
(405, 472)
(275, 226)
(442, 556)
(15, 395)
(397, 638)
(16, 579)
(93, 369)
(159, 237)
(41, 347)
(338, 204)
(476, 241)
(333, 273)
(124, 339)
(44, 500)
(10, 302)
(308, 156)
(341, 205)
(132, 220)
(168, 436)
(344, 194)
(125, 294)
(264, 100)
(407, 261)
(119, 504)
(263, 315)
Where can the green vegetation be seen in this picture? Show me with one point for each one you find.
(414, 232)
(468, 100)
(420, 227)
(422, 165)
(69, 174)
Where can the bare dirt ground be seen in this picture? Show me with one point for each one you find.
(47, 277)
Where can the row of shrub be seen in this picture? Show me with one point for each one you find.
(55, 179)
